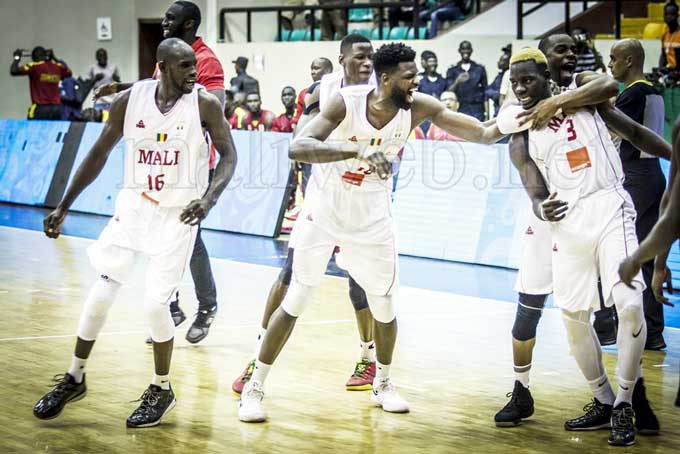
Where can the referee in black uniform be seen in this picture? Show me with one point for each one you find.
(644, 180)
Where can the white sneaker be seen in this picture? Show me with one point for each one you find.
(385, 395)
(250, 406)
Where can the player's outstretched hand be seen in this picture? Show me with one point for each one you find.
(195, 212)
(628, 269)
(105, 90)
(539, 115)
(553, 209)
(52, 223)
(658, 279)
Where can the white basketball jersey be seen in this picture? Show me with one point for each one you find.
(355, 127)
(577, 156)
(166, 155)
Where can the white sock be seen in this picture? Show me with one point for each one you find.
(522, 374)
(258, 346)
(77, 369)
(161, 380)
(382, 371)
(625, 391)
(368, 350)
(261, 371)
(602, 389)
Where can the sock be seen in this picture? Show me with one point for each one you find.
(382, 371)
(625, 391)
(161, 380)
(368, 351)
(77, 368)
(261, 371)
(603, 389)
(258, 346)
(639, 373)
(522, 374)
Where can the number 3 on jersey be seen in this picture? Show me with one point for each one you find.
(156, 183)
(571, 130)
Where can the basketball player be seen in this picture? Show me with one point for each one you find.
(592, 227)
(348, 204)
(356, 55)
(534, 279)
(658, 243)
(181, 20)
(164, 199)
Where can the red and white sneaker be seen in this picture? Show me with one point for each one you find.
(240, 382)
(362, 378)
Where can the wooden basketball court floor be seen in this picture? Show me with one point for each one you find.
(452, 363)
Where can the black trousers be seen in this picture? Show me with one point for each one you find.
(45, 112)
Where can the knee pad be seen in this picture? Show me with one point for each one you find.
(532, 301)
(157, 311)
(297, 299)
(357, 295)
(629, 303)
(382, 307)
(287, 270)
(99, 300)
(526, 321)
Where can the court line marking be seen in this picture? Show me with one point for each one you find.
(248, 325)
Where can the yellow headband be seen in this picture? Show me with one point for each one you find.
(527, 54)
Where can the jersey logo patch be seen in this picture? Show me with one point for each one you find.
(353, 139)
(555, 247)
(578, 159)
(353, 178)
(140, 124)
(529, 231)
(160, 137)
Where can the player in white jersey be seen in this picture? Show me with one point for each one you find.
(349, 205)
(534, 278)
(356, 53)
(592, 226)
(163, 199)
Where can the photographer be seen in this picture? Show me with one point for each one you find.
(587, 58)
(44, 74)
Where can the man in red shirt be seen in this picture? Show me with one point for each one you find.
(182, 20)
(319, 68)
(256, 119)
(44, 74)
(284, 122)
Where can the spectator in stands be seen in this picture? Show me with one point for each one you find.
(333, 21)
(103, 73)
(397, 14)
(284, 122)
(233, 111)
(73, 92)
(256, 119)
(467, 79)
(644, 180)
(587, 57)
(437, 14)
(431, 82)
(493, 91)
(435, 132)
(320, 67)
(670, 41)
(44, 74)
(243, 83)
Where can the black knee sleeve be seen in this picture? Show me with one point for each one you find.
(287, 271)
(357, 295)
(528, 314)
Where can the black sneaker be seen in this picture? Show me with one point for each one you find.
(178, 318)
(521, 406)
(65, 390)
(623, 429)
(201, 326)
(156, 402)
(655, 343)
(645, 419)
(597, 416)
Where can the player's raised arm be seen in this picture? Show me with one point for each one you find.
(212, 116)
(640, 136)
(455, 123)
(593, 89)
(308, 146)
(92, 165)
